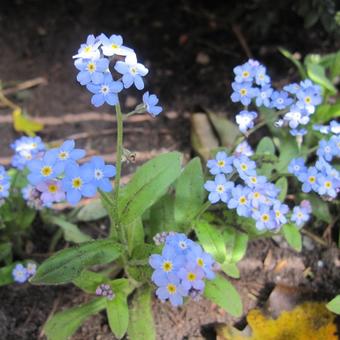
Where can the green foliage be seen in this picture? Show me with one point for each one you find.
(141, 325)
(282, 184)
(334, 305)
(293, 236)
(67, 264)
(148, 184)
(223, 293)
(63, 324)
(92, 211)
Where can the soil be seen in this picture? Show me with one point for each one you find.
(190, 48)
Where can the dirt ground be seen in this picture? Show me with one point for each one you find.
(190, 48)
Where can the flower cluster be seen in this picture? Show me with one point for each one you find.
(106, 291)
(297, 101)
(4, 183)
(321, 178)
(21, 274)
(237, 184)
(181, 269)
(26, 149)
(301, 213)
(332, 128)
(101, 59)
(55, 175)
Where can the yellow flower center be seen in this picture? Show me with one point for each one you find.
(221, 164)
(265, 217)
(91, 67)
(257, 195)
(167, 266)
(46, 170)
(308, 99)
(244, 166)
(277, 213)
(52, 188)
(312, 179)
(243, 92)
(133, 70)
(328, 184)
(220, 188)
(245, 74)
(191, 276)
(300, 215)
(63, 155)
(200, 262)
(1, 188)
(77, 183)
(253, 180)
(114, 46)
(171, 288)
(243, 200)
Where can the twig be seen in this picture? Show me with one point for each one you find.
(314, 237)
(327, 233)
(239, 35)
(25, 85)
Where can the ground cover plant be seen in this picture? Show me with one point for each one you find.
(165, 235)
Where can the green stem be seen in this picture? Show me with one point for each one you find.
(119, 154)
(204, 207)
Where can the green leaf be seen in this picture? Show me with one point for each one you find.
(135, 234)
(326, 112)
(71, 231)
(141, 325)
(108, 203)
(231, 270)
(236, 244)
(334, 305)
(293, 236)
(223, 293)
(288, 150)
(320, 208)
(211, 240)
(282, 184)
(5, 250)
(227, 131)
(162, 216)
(265, 147)
(89, 281)
(189, 192)
(317, 73)
(67, 264)
(6, 275)
(92, 211)
(149, 183)
(296, 62)
(63, 324)
(118, 314)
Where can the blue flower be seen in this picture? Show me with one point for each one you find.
(244, 73)
(280, 211)
(261, 78)
(263, 96)
(243, 92)
(222, 164)
(78, 182)
(150, 101)
(114, 45)
(325, 150)
(298, 132)
(265, 218)
(280, 100)
(4, 185)
(169, 262)
(243, 149)
(192, 277)
(292, 88)
(101, 173)
(19, 273)
(171, 289)
(89, 50)
(309, 179)
(300, 215)
(335, 142)
(197, 256)
(255, 181)
(132, 71)
(245, 120)
(45, 169)
(297, 167)
(179, 242)
(107, 91)
(296, 116)
(239, 200)
(245, 166)
(91, 70)
(334, 127)
(308, 98)
(66, 152)
(327, 186)
(219, 189)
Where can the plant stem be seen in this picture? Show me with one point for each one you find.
(119, 154)
(203, 208)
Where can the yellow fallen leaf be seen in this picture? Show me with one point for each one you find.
(24, 124)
